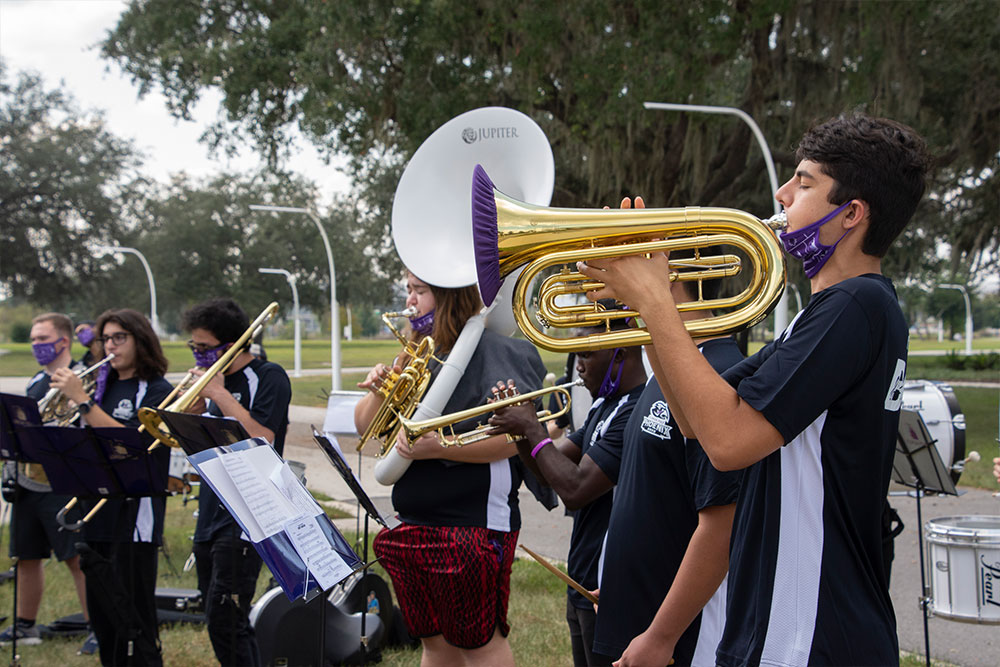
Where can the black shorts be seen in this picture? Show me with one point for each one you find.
(35, 535)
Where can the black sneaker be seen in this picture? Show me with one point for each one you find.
(27, 636)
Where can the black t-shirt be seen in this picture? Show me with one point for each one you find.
(263, 388)
(664, 481)
(832, 385)
(435, 492)
(131, 519)
(600, 438)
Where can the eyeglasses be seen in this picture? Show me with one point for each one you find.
(118, 338)
(202, 347)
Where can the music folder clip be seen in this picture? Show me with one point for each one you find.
(293, 535)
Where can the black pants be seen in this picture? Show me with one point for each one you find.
(227, 577)
(581, 635)
(120, 573)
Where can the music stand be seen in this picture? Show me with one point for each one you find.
(16, 412)
(336, 457)
(917, 464)
(196, 433)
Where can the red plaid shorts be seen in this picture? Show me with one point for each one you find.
(452, 581)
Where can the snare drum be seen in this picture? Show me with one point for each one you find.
(937, 405)
(963, 556)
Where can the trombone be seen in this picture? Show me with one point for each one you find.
(152, 422)
(415, 429)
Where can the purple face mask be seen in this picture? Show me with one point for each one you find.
(45, 353)
(205, 359)
(86, 336)
(424, 324)
(609, 386)
(804, 244)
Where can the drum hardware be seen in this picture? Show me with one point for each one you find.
(511, 233)
(963, 560)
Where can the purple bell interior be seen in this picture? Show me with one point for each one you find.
(484, 235)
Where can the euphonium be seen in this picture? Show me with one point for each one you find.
(400, 392)
(55, 406)
(415, 429)
(509, 233)
(153, 422)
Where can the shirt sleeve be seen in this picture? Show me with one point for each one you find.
(711, 487)
(818, 361)
(606, 452)
(270, 405)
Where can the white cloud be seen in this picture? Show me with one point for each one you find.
(57, 39)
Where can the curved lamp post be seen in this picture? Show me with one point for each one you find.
(154, 319)
(298, 325)
(781, 310)
(334, 314)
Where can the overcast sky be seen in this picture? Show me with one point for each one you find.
(57, 39)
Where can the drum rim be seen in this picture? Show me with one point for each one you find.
(934, 527)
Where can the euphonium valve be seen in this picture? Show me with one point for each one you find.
(509, 233)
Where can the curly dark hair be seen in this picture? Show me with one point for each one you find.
(223, 317)
(150, 362)
(879, 161)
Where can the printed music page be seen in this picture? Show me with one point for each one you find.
(323, 563)
(250, 471)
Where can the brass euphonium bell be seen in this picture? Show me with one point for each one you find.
(509, 233)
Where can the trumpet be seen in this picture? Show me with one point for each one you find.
(509, 233)
(400, 392)
(153, 422)
(415, 429)
(55, 406)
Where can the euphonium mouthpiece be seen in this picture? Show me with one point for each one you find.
(778, 222)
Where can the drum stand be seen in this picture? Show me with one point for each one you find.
(918, 465)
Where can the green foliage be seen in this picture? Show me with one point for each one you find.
(66, 183)
(976, 362)
(20, 332)
(374, 79)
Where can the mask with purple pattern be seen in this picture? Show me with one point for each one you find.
(85, 336)
(45, 353)
(205, 358)
(424, 324)
(804, 244)
(609, 386)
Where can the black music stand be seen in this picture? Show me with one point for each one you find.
(106, 463)
(196, 433)
(336, 457)
(917, 464)
(16, 412)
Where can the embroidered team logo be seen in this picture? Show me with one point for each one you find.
(894, 397)
(657, 422)
(123, 410)
(238, 397)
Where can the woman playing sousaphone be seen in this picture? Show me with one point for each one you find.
(450, 560)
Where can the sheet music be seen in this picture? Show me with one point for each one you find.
(250, 472)
(289, 486)
(340, 412)
(323, 562)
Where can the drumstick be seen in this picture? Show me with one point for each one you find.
(562, 575)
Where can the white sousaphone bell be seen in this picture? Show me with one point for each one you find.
(432, 225)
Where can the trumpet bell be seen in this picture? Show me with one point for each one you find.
(509, 234)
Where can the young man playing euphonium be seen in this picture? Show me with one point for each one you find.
(816, 410)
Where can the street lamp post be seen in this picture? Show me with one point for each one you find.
(781, 310)
(334, 314)
(968, 315)
(298, 325)
(154, 319)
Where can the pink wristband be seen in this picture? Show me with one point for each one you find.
(538, 447)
